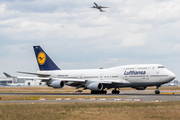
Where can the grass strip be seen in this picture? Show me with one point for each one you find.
(90, 111)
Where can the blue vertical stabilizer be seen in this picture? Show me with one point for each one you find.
(43, 60)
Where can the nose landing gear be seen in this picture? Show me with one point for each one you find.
(157, 91)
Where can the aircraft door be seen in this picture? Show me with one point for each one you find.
(101, 77)
(126, 77)
(81, 76)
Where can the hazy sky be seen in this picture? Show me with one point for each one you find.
(76, 36)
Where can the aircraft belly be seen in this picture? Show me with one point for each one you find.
(141, 84)
(145, 82)
(149, 82)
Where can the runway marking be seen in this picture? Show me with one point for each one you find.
(68, 99)
(59, 99)
(137, 100)
(117, 99)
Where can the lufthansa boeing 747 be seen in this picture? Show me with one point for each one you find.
(99, 80)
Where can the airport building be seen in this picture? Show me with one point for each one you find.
(34, 83)
(4, 81)
(173, 83)
(7, 81)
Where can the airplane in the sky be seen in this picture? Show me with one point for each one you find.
(98, 81)
(99, 7)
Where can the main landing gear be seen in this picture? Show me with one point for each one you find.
(115, 91)
(157, 91)
(99, 92)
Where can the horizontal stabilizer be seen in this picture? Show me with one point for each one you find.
(7, 75)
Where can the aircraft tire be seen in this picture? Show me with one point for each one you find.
(95, 92)
(115, 92)
(99, 92)
(157, 92)
(103, 92)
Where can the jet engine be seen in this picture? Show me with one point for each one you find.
(140, 88)
(57, 84)
(95, 86)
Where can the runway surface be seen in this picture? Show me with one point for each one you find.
(130, 96)
(87, 94)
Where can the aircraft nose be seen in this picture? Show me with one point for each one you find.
(172, 76)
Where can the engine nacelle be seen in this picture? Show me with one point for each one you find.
(95, 86)
(140, 88)
(57, 84)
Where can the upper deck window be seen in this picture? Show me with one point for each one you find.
(161, 67)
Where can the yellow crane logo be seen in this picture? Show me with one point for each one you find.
(41, 58)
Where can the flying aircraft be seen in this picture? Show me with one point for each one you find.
(98, 81)
(99, 7)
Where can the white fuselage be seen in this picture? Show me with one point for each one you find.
(122, 76)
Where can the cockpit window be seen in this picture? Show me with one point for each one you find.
(161, 67)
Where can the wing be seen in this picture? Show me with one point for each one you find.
(37, 78)
(94, 7)
(109, 82)
(46, 77)
(38, 74)
(104, 7)
(96, 4)
(76, 82)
